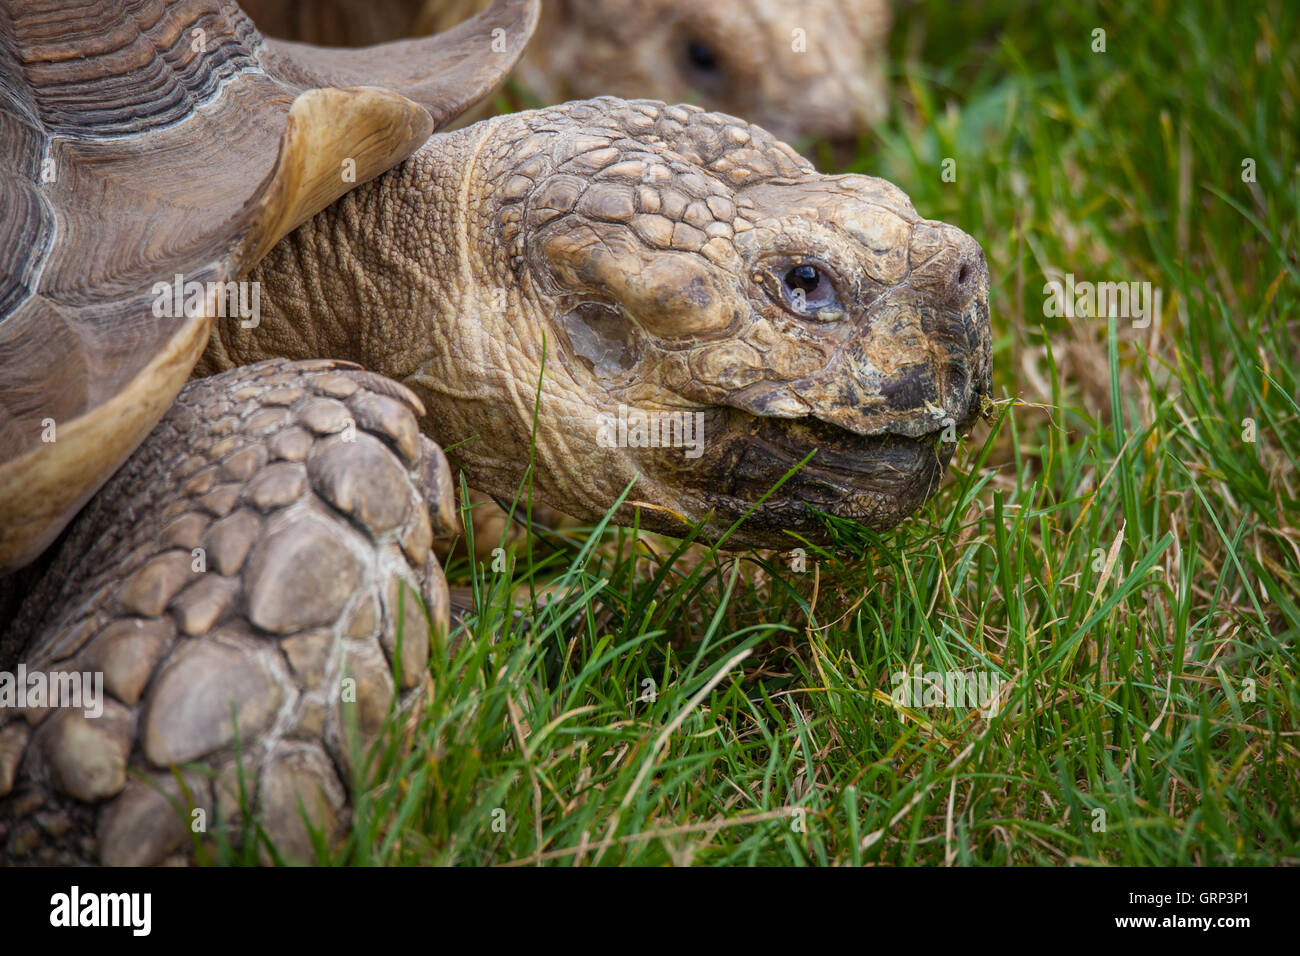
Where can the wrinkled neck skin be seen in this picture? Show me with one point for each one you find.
(407, 276)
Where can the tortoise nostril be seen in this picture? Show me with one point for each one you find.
(949, 266)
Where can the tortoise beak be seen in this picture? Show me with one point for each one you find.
(920, 359)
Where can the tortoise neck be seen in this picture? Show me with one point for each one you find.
(370, 279)
(406, 275)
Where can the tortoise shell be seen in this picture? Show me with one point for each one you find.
(150, 140)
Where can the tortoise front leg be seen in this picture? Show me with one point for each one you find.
(248, 561)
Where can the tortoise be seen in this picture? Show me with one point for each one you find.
(248, 297)
(813, 69)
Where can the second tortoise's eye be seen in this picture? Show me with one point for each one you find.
(701, 56)
(808, 288)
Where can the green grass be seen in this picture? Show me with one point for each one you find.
(1110, 547)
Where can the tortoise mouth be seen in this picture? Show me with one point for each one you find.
(838, 454)
(842, 466)
(877, 480)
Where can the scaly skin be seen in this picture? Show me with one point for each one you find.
(671, 232)
(252, 557)
(809, 69)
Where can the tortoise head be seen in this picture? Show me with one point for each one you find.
(611, 294)
(812, 69)
(727, 312)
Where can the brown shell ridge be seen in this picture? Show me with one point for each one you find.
(474, 57)
(370, 129)
(42, 489)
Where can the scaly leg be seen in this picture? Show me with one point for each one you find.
(248, 561)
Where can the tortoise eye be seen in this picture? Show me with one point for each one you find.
(702, 56)
(808, 288)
